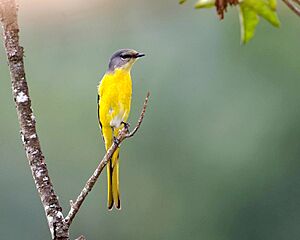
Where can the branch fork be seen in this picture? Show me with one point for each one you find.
(123, 134)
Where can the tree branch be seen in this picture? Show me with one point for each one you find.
(123, 134)
(81, 238)
(297, 1)
(15, 53)
(292, 6)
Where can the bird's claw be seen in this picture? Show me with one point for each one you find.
(116, 141)
(126, 126)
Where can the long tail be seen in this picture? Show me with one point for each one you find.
(115, 180)
(113, 192)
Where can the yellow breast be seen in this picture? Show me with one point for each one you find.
(115, 92)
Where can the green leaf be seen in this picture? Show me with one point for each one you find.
(264, 10)
(205, 4)
(248, 22)
(273, 4)
(250, 12)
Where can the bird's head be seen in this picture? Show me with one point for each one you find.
(123, 59)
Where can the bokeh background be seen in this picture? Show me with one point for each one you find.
(217, 157)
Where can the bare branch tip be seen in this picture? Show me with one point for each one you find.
(81, 238)
(128, 135)
(147, 97)
(292, 6)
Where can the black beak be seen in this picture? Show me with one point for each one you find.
(139, 55)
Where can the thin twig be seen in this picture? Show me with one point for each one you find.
(292, 6)
(141, 117)
(14, 52)
(297, 1)
(123, 134)
(81, 238)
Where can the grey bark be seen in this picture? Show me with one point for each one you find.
(8, 14)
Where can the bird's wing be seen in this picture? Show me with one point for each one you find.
(98, 103)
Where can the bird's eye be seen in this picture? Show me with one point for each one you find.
(125, 56)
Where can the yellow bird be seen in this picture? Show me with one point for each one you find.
(114, 100)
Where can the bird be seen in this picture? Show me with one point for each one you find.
(114, 103)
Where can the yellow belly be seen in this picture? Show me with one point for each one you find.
(115, 92)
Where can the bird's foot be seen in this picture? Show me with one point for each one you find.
(116, 141)
(126, 125)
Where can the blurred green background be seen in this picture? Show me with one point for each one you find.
(217, 157)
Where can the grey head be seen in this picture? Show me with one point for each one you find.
(123, 59)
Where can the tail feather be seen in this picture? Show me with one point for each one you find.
(113, 192)
(115, 180)
(110, 201)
